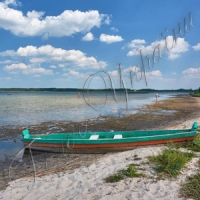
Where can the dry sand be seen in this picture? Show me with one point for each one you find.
(88, 182)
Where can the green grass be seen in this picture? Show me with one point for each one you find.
(135, 165)
(195, 94)
(191, 189)
(191, 145)
(195, 146)
(130, 172)
(170, 162)
(136, 157)
(114, 178)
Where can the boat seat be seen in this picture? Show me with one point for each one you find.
(117, 137)
(94, 137)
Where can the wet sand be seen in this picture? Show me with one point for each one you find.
(159, 115)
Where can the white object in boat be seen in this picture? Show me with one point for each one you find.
(117, 137)
(94, 137)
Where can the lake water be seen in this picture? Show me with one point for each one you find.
(25, 108)
(28, 108)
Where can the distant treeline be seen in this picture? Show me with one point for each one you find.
(81, 90)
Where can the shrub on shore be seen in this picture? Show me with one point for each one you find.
(191, 188)
(195, 94)
(191, 145)
(170, 161)
(130, 172)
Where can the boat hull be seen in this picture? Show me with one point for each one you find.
(103, 142)
(98, 148)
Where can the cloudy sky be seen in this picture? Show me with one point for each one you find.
(59, 43)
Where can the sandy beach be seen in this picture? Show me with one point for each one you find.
(87, 181)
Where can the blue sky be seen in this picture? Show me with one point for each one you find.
(59, 43)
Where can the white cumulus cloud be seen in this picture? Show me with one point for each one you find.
(53, 67)
(113, 73)
(57, 56)
(110, 38)
(196, 47)
(155, 73)
(136, 45)
(71, 74)
(27, 69)
(88, 37)
(19, 66)
(191, 73)
(35, 23)
(173, 56)
(12, 2)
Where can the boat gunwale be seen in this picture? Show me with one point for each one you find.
(94, 133)
(188, 133)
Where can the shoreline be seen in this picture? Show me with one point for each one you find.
(81, 167)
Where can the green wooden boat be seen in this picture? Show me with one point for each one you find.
(101, 142)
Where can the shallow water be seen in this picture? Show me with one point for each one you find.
(25, 108)
(9, 148)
